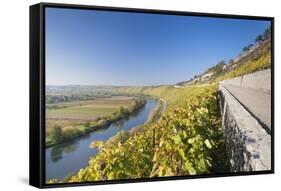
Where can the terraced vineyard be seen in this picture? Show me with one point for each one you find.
(189, 132)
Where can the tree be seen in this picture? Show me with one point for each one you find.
(230, 62)
(250, 46)
(123, 111)
(246, 49)
(267, 33)
(220, 64)
(218, 68)
(259, 39)
(56, 134)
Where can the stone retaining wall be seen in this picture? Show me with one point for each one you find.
(249, 145)
(258, 80)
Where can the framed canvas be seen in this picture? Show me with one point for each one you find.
(122, 95)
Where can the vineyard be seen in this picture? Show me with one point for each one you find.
(185, 141)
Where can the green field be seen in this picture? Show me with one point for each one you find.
(66, 115)
(88, 110)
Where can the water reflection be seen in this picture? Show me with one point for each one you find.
(56, 152)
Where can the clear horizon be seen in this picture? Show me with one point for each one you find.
(103, 48)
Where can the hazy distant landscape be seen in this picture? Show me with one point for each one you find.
(173, 128)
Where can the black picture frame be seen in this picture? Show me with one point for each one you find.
(37, 93)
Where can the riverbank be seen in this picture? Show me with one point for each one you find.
(122, 136)
(60, 135)
(156, 113)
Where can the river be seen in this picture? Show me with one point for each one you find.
(66, 159)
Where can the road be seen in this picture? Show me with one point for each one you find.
(257, 102)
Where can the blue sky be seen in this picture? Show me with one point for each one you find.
(89, 47)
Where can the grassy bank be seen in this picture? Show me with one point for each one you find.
(123, 135)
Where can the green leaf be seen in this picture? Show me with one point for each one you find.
(96, 144)
(188, 166)
(177, 139)
(191, 140)
(181, 153)
(208, 144)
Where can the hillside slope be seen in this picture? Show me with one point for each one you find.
(258, 58)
